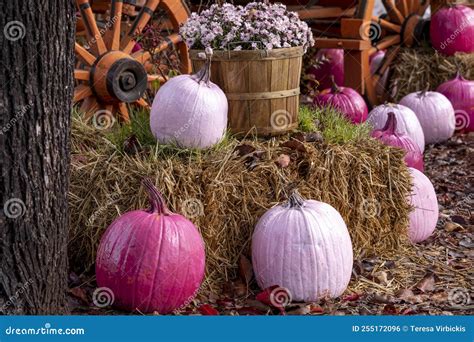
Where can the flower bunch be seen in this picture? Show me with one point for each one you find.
(255, 26)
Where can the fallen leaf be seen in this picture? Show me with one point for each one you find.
(381, 299)
(248, 311)
(389, 309)
(427, 284)
(240, 288)
(283, 160)
(458, 219)
(245, 269)
(408, 311)
(208, 310)
(352, 297)
(451, 226)
(466, 243)
(294, 145)
(298, 136)
(406, 295)
(382, 277)
(80, 294)
(304, 310)
(73, 280)
(316, 309)
(131, 145)
(225, 303)
(257, 305)
(275, 296)
(244, 149)
(314, 137)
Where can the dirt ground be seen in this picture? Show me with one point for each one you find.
(434, 277)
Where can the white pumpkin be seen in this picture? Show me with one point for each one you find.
(425, 212)
(190, 110)
(305, 247)
(435, 113)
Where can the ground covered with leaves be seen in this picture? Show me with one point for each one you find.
(435, 277)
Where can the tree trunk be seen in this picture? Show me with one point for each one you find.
(36, 87)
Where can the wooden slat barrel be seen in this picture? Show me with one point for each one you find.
(262, 87)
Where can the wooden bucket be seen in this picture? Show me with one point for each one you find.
(262, 87)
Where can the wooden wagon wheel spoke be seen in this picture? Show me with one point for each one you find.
(138, 25)
(93, 34)
(392, 11)
(423, 7)
(388, 60)
(112, 37)
(142, 56)
(402, 6)
(169, 41)
(89, 107)
(410, 5)
(387, 25)
(390, 56)
(84, 55)
(386, 43)
(81, 92)
(415, 6)
(123, 112)
(81, 74)
(142, 103)
(152, 78)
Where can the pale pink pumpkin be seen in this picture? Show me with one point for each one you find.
(189, 110)
(305, 247)
(424, 217)
(435, 113)
(152, 260)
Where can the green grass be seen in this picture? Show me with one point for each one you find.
(334, 127)
(140, 128)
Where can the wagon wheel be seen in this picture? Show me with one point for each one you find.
(109, 76)
(403, 25)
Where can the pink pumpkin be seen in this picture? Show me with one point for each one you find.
(461, 94)
(328, 62)
(424, 216)
(344, 99)
(407, 122)
(389, 136)
(375, 61)
(452, 30)
(305, 247)
(151, 260)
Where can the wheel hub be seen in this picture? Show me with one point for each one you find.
(413, 30)
(117, 77)
(127, 81)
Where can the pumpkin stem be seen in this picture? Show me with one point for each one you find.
(157, 202)
(335, 89)
(204, 75)
(295, 199)
(459, 76)
(391, 124)
(424, 91)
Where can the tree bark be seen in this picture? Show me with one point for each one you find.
(36, 87)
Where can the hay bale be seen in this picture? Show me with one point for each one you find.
(225, 194)
(415, 68)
